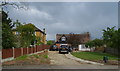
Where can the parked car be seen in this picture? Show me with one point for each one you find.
(53, 48)
(64, 49)
(70, 49)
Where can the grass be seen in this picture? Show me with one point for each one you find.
(34, 59)
(22, 57)
(93, 55)
(46, 56)
(36, 56)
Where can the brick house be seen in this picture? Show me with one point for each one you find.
(38, 33)
(41, 34)
(77, 39)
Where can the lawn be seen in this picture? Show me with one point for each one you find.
(93, 55)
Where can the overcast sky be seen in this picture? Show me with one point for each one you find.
(67, 17)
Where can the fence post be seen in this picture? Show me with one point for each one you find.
(34, 49)
(13, 52)
(27, 51)
(21, 51)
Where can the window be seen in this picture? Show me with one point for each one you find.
(63, 39)
(35, 33)
(17, 33)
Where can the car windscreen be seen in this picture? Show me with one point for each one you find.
(64, 46)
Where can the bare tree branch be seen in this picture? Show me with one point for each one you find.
(15, 5)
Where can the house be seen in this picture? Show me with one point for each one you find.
(74, 40)
(61, 39)
(41, 34)
(38, 33)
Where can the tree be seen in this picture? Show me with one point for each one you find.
(110, 37)
(98, 42)
(38, 40)
(17, 5)
(17, 23)
(17, 37)
(27, 35)
(49, 42)
(115, 39)
(94, 43)
(89, 44)
(7, 36)
(118, 38)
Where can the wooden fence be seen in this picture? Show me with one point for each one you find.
(16, 52)
(112, 51)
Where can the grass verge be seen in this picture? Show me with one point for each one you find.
(93, 55)
(22, 57)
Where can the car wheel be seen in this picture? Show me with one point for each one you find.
(67, 52)
(59, 52)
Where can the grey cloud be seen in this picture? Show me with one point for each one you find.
(66, 17)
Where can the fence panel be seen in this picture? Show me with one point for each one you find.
(29, 49)
(40, 47)
(24, 51)
(112, 51)
(36, 48)
(47, 46)
(6, 53)
(17, 52)
(32, 49)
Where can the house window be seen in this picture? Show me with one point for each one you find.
(42, 34)
(35, 33)
(63, 39)
(17, 33)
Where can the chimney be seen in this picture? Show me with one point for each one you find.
(87, 32)
(44, 30)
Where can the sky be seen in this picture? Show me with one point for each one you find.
(68, 17)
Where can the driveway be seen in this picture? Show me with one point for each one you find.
(60, 61)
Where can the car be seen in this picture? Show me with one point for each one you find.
(70, 49)
(53, 48)
(64, 49)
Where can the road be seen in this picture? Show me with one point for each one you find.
(60, 61)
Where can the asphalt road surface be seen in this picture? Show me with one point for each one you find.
(60, 61)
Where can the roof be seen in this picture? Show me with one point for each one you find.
(36, 29)
(82, 38)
